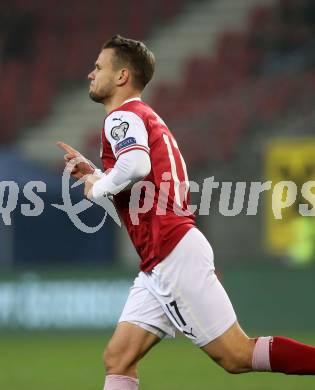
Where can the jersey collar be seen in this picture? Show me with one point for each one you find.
(132, 100)
(126, 101)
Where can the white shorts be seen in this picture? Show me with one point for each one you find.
(182, 293)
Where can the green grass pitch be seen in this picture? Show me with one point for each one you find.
(72, 361)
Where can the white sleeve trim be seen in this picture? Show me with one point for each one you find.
(133, 147)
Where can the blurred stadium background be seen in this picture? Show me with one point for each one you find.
(235, 81)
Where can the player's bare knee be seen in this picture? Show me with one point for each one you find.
(108, 359)
(119, 363)
(111, 360)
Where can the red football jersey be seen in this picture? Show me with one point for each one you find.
(154, 233)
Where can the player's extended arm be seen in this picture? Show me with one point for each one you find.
(80, 166)
(130, 168)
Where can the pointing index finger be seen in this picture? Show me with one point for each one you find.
(67, 148)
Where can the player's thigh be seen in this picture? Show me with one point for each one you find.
(127, 346)
(233, 349)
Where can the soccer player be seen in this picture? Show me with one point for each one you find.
(177, 288)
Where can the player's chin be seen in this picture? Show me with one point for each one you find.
(95, 97)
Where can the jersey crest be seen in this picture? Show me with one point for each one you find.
(119, 132)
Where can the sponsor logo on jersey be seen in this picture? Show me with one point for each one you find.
(119, 132)
(125, 143)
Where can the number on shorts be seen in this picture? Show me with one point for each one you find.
(180, 317)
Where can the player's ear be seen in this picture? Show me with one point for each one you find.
(122, 76)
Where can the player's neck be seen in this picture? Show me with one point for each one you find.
(117, 101)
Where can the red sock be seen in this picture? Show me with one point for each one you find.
(291, 357)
